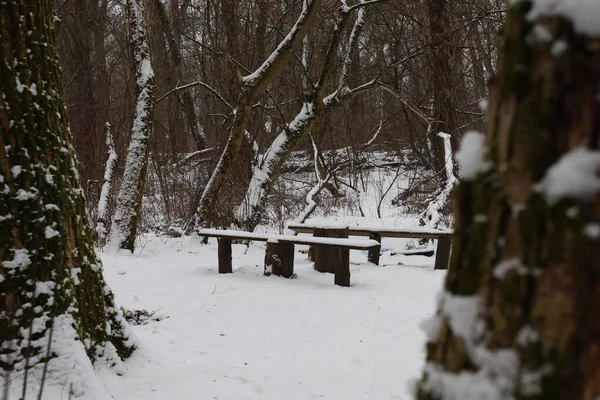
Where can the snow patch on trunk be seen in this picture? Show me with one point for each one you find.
(574, 176)
(471, 156)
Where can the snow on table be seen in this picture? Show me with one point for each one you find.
(359, 244)
(365, 230)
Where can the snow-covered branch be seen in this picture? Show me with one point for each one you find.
(250, 210)
(193, 84)
(352, 44)
(432, 215)
(311, 204)
(267, 72)
(253, 86)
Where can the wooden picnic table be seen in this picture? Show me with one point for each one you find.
(279, 257)
(444, 237)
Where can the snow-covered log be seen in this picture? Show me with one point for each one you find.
(111, 163)
(129, 201)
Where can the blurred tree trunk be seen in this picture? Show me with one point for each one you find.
(519, 314)
(51, 278)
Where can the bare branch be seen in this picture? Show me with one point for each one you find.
(193, 84)
(268, 71)
(364, 4)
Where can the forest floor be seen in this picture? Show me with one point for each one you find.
(247, 336)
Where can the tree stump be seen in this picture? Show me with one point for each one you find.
(327, 257)
(279, 259)
(225, 256)
(374, 252)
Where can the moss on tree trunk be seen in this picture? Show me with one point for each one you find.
(48, 265)
(525, 271)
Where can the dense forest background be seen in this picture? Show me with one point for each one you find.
(423, 66)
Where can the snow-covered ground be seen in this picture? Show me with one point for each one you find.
(247, 336)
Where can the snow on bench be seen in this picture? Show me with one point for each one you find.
(356, 244)
(231, 234)
(279, 259)
(444, 237)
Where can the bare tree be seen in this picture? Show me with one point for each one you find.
(253, 85)
(317, 104)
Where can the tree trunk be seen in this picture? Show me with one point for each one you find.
(250, 211)
(253, 86)
(519, 314)
(111, 163)
(129, 201)
(51, 278)
(441, 61)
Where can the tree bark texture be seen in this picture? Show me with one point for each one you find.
(519, 314)
(49, 272)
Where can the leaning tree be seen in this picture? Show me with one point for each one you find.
(51, 284)
(519, 314)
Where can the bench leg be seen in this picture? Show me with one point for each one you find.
(311, 253)
(279, 259)
(326, 256)
(342, 267)
(442, 255)
(225, 256)
(374, 252)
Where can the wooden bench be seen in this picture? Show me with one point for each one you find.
(279, 256)
(444, 238)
